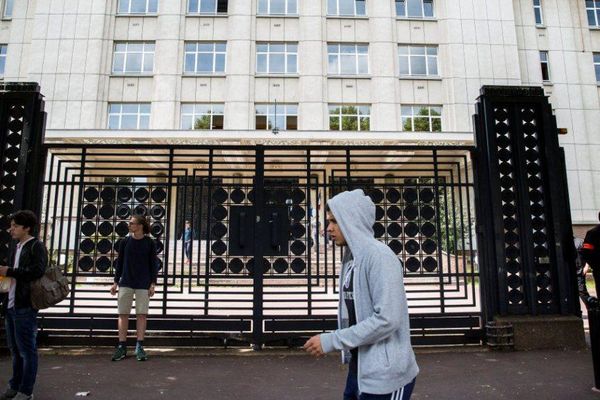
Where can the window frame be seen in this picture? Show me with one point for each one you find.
(545, 62)
(596, 61)
(426, 55)
(8, 5)
(594, 11)
(271, 115)
(340, 116)
(216, 11)
(422, 16)
(3, 58)
(195, 115)
(337, 9)
(538, 11)
(119, 12)
(120, 115)
(125, 53)
(197, 52)
(268, 54)
(414, 114)
(268, 12)
(357, 57)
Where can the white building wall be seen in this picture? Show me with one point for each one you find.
(67, 46)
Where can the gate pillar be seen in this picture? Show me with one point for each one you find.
(525, 236)
(22, 157)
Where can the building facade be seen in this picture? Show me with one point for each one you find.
(352, 71)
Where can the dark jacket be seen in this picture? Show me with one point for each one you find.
(137, 263)
(32, 266)
(590, 251)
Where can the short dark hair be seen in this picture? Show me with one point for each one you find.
(26, 219)
(140, 219)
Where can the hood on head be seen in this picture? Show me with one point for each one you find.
(355, 214)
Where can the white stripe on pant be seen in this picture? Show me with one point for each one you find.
(398, 395)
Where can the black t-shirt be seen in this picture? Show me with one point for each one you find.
(590, 251)
(348, 292)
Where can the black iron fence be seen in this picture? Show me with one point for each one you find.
(262, 269)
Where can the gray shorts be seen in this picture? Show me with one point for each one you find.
(126, 295)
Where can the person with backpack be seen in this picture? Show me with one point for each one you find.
(27, 263)
(136, 271)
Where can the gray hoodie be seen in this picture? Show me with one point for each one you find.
(386, 361)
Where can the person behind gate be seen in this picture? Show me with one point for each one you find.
(373, 326)
(135, 276)
(27, 263)
(188, 236)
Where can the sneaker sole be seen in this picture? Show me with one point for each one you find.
(118, 359)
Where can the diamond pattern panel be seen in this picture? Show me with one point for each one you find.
(8, 179)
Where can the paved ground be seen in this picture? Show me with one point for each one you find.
(290, 375)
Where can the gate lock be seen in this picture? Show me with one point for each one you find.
(243, 220)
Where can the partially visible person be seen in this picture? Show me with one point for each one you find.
(589, 253)
(188, 237)
(135, 277)
(27, 263)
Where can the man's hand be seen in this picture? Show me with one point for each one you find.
(3, 270)
(313, 346)
(151, 290)
(113, 289)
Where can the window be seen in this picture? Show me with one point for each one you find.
(8, 9)
(422, 118)
(204, 58)
(129, 116)
(537, 10)
(3, 48)
(138, 7)
(414, 8)
(418, 60)
(276, 58)
(346, 7)
(593, 12)
(133, 58)
(202, 116)
(545, 64)
(349, 118)
(348, 59)
(596, 66)
(207, 6)
(282, 116)
(277, 7)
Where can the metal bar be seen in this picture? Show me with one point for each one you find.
(439, 229)
(260, 231)
(77, 233)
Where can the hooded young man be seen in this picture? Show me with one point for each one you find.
(373, 326)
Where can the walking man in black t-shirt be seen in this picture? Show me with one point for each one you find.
(135, 276)
(590, 256)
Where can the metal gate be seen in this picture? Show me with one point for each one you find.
(262, 271)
